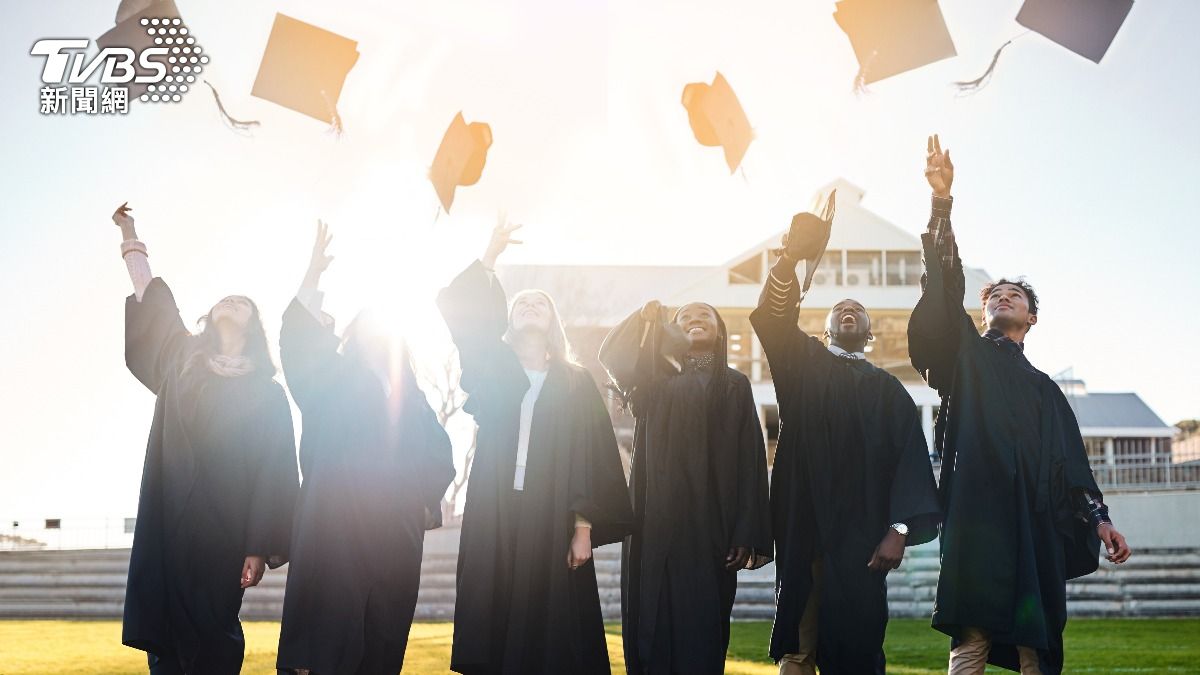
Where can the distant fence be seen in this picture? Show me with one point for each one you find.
(1129, 473)
(1144, 472)
(1137, 473)
(53, 534)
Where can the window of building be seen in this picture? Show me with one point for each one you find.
(1132, 450)
(864, 268)
(829, 273)
(1095, 448)
(903, 268)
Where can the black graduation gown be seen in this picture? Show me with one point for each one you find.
(518, 608)
(219, 484)
(699, 488)
(371, 468)
(851, 460)
(1011, 456)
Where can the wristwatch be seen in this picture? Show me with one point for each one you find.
(901, 529)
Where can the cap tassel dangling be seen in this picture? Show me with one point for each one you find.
(972, 86)
(234, 123)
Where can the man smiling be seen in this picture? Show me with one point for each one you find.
(1022, 510)
(852, 484)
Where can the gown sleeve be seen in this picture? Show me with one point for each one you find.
(308, 351)
(913, 496)
(598, 492)
(752, 525)
(938, 321)
(787, 347)
(276, 486)
(637, 351)
(155, 339)
(434, 456)
(476, 312)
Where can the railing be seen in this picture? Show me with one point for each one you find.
(1136, 474)
(1127, 473)
(1142, 473)
(24, 534)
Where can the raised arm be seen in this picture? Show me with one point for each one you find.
(155, 337)
(937, 322)
(642, 346)
(475, 309)
(134, 252)
(775, 320)
(308, 347)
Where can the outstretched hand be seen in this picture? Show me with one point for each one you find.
(124, 221)
(320, 258)
(502, 236)
(939, 170)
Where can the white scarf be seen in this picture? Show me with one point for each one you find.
(230, 366)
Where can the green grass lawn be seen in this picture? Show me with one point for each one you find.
(1093, 646)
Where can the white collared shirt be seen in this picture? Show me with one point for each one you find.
(838, 351)
(537, 378)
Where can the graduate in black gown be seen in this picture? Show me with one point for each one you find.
(852, 484)
(545, 487)
(219, 481)
(376, 464)
(698, 484)
(1022, 510)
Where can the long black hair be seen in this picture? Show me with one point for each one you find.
(256, 349)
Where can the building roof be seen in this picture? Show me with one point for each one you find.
(1116, 411)
(604, 294)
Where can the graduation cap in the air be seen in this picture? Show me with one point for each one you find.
(304, 67)
(460, 158)
(809, 235)
(890, 37)
(1086, 27)
(717, 118)
(129, 32)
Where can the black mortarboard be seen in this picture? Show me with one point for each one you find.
(809, 235)
(132, 33)
(1086, 27)
(890, 37)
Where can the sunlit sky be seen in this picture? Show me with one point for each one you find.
(1080, 176)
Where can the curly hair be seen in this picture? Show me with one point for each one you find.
(1030, 294)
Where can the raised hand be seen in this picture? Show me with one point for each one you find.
(320, 259)
(939, 170)
(501, 238)
(124, 221)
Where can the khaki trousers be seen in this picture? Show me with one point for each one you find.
(970, 656)
(805, 661)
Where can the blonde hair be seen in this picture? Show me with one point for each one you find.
(556, 334)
